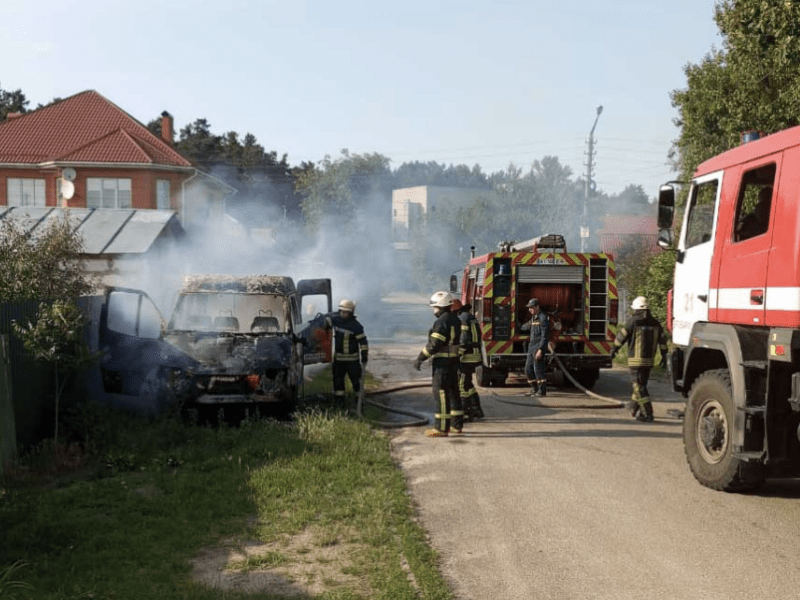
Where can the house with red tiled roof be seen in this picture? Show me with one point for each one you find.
(619, 231)
(86, 152)
(128, 193)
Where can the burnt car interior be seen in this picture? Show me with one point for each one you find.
(230, 313)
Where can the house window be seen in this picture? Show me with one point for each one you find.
(162, 194)
(25, 192)
(108, 193)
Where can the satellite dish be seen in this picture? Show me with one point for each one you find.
(68, 174)
(67, 189)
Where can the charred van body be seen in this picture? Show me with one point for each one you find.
(231, 340)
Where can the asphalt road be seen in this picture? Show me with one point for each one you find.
(573, 499)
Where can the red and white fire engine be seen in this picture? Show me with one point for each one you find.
(735, 312)
(577, 290)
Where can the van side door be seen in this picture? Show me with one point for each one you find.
(130, 338)
(316, 338)
(314, 287)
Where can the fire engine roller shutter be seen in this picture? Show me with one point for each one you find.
(550, 273)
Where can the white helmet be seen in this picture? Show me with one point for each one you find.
(347, 304)
(442, 299)
(639, 303)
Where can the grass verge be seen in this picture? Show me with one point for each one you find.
(132, 522)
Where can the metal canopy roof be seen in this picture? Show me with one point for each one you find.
(104, 230)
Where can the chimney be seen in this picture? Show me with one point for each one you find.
(13, 115)
(166, 127)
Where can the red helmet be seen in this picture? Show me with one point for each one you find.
(456, 305)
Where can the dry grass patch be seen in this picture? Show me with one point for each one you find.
(307, 564)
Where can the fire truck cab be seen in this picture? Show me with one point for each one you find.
(735, 312)
(577, 290)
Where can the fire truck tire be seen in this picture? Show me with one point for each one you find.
(708, 440)
(483, 376)
(586, 377)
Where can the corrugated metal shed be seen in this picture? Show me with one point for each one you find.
(104, 230)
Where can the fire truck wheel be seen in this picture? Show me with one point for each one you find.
(586, 377)
(483, 376)
(707, 436)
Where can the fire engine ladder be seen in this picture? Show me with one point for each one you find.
(598, 298)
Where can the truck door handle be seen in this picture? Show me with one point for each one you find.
(756, 296)
(703, 297)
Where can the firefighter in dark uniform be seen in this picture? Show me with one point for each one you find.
(442, 348)
(539, 326)
(350, 349)
(470, 358)
(644, 336)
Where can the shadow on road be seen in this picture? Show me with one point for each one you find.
(779, 488)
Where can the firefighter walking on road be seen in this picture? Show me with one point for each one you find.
(350, 350)
(470, 358)
(644, 337)
(539, 326)
(442, 348)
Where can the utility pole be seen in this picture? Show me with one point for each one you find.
(588, 190)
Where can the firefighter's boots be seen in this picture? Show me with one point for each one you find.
(645, 413)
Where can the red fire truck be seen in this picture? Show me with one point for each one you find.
(735, 313)
(577, 290)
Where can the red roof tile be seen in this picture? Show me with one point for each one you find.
(629, 224)
(85, 127)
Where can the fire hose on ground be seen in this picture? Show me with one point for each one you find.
(612, 402)
(420, 419)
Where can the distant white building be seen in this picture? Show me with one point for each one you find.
(411, 208)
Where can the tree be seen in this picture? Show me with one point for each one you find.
(11, 102)
(336, 189)
(47, 267)
(432, 173)
(57, 339)
(752, 83)
(261, 179)
(196, 142)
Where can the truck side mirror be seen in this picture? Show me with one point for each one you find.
(453, 284)
(665, 238)
(666, 206)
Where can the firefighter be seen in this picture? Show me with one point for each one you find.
(539, 326)
(644, 336)
(350, 349)
(469, 359)
(442, 349)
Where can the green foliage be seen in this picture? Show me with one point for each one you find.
(260, 177)
(337, 189)
(10, 587)
(416, 173)
(752, 83)
(657, 282)
(46, 266)
(57, 336)
(162, 494)
(57, 339)
(11, 102)
(520, 207)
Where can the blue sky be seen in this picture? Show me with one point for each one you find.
(466, 82)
